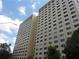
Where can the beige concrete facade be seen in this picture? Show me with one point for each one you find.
(25, 39)
(31, 43)
(57, 21)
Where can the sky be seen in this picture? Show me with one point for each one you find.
(13, 13)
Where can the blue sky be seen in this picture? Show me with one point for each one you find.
(14, 12)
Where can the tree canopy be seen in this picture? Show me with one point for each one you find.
(72, 46)
(5, 51)
(53, 53)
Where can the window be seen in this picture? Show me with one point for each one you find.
(41, 37)
(50, 38)
(54, 25)
(70, 5)
(62, 40)
(45, 48)
(60, 22)
(49, 26)
(36, 49)
(65, 12)
(54, 17)
(58, 6)
(55, 36)
(49, 23)
(57, 3)
(54, 14)
(66, 15)
(50, 30)
(67, 23)
(45, 52)
(60, 26)
(45, 25)
(55, 32)
(60, 18)
(72, 12)
(45, 39)
(54, 21)
(64, 8)
(62, 0)
(63, 45)
(49, 20)
(56, 41)
(40, 48)
(71, 8)
(76, 25)
(74, 16)
(66, 19)
(45, 28)
(36, 53)
(59, 15)
(49, 34)
(63, 3)
(40, 53)
(70, 2)
(75, 20)
(61, 30)
(53, 11)
(68, 28)
(59, 11)
(55, 28)
(69, 33)
(50, 42)
(41, 40)
(61, 34)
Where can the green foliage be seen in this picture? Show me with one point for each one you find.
(53, 53)
(72, 46)
(5, 51)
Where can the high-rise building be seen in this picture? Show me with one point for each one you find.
(55, 24)
(57, 21)
(24, 37)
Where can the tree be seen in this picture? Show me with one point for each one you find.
(5, 51)
(72, 46)
(52, 53)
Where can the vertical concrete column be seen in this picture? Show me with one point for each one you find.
(31, 45)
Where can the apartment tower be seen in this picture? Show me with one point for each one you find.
(57, 21)
(26, 34)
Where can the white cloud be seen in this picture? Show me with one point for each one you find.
(3, 38)
(35, 13)
(34, 5)
(1, 6)
(12, 46)
(22, 10)
(7, 24)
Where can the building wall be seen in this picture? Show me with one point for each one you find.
(57, 21)
(31, 43)
(21, 45)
